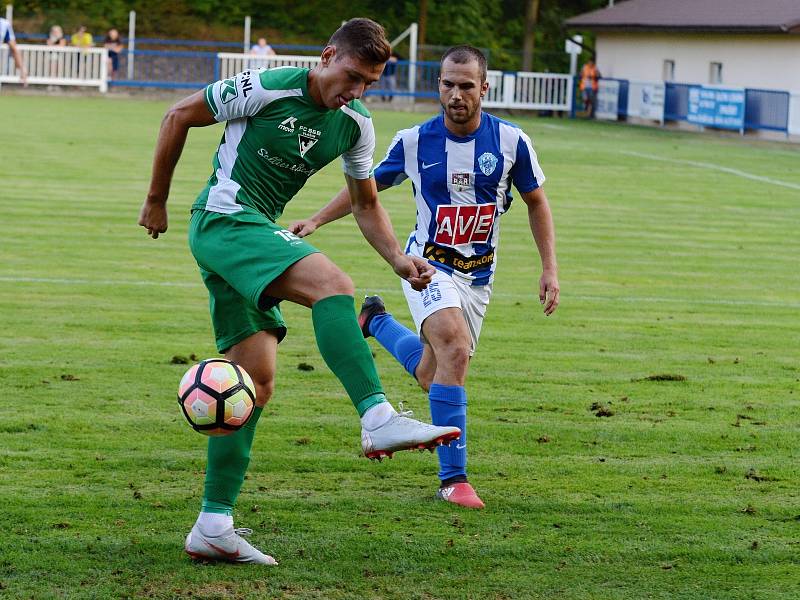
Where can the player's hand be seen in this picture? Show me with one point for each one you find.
(548, 292)
(153, 217)
(303, 227)
(417, 271)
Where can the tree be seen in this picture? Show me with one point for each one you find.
(531, 19)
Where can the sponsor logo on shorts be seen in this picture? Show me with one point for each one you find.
(464, 224)
(288, 236)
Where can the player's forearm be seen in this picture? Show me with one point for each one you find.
(337, 208)
(171, 139)
(377, 229)
(541, 223)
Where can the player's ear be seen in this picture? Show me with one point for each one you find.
(484, 88)
(328, 54)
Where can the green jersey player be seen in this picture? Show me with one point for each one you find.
(283, 125)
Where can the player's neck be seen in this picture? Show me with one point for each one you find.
(312, 84)
(464, 129)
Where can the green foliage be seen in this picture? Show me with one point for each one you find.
(603, 478)
(495, 26)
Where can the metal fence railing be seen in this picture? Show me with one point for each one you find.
(766, 109)
(774, 110)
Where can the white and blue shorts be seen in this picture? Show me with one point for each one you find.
(449, 291)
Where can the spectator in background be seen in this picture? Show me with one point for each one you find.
(589, 84)
(56, 36)
(82, 39)
(7, 37)
(390, 77)
(262, 48)
(113, 44)
(56, 39)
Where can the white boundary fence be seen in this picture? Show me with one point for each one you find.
(56, 65)
(529, 91)
(231, 63)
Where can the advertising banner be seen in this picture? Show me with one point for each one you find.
(716, 107)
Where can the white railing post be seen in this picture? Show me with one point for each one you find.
(412, 60)
(131, 42)
(509, 89)
(794, 114)
(10, 13)
(246, 44)
(104, 71)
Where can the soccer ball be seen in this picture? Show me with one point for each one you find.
(216, 396)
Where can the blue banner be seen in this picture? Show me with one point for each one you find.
(716, 107)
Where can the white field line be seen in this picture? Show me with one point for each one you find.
(713, 167)
(398, 291)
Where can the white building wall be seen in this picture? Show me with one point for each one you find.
(768, 61)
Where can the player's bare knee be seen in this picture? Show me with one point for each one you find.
(457, 357)
(337, 283)
(265, 386)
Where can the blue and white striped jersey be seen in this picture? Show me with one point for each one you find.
(6, 32)
(461, 186)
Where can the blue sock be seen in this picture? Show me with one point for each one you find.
(449, 407)
(399, 340)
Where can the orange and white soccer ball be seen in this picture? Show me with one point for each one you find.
(216, 396)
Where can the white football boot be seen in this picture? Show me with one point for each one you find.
(402, 433)
(228, 546)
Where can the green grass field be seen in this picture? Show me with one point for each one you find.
(669, 265)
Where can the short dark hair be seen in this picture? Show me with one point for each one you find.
(363, 38)
(464, 54)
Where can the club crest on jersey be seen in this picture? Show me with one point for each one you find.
(307, 137)
(305, 144)
(487, 163)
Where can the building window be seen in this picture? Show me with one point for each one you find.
(668, 70)
(715, 72)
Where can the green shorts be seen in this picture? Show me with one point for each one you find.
(239, 255)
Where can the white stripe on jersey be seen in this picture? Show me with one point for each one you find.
(357, 162)
(410, 139)
(509, 137)
(222, 197)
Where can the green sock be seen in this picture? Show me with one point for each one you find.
(345, 351)
(228, 457)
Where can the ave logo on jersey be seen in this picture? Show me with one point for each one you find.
(228, 91)
(288, 124)
(463, 223)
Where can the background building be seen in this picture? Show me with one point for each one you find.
(731, 42)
